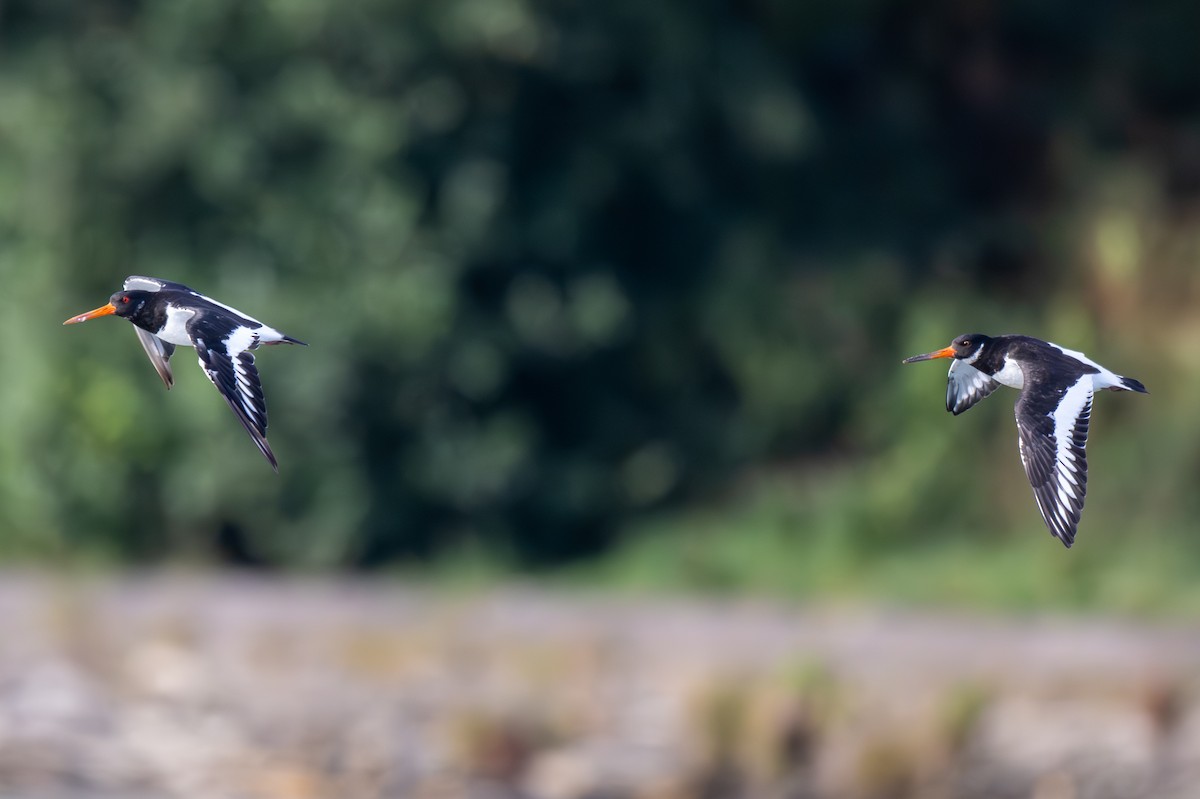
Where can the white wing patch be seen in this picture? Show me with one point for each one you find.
(140, 283)
(240, 339)
(249, 389)
(965, 386)
(1079, 356)
(1106, 377)
(1053, 452)
(232, 371)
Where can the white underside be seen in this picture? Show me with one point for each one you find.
(175, 330)
(1011, 375)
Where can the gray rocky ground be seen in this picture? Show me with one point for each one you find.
(220, 686)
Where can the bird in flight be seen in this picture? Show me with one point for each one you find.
(166, 315)
(1053, 410)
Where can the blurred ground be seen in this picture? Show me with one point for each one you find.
(182, 686)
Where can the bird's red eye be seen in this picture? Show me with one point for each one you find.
(124, 299)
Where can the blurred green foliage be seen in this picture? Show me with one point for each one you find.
(563, 264)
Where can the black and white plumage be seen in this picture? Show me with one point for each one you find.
(166, 315)
(1053, 411)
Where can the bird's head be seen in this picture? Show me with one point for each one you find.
(123, 303)
(966, 347)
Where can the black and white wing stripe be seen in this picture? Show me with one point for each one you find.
(158, 351)
(231, 369)
(1053, 428)
(965, 386)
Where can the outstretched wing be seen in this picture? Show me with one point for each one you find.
(965, 386)
(230, 366)
(1053, 429)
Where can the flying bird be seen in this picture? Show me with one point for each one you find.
(166, 315)
(1053, 410)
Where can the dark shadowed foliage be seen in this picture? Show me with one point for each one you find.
(563, 263)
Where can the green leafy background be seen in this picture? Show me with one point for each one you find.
(615, 290)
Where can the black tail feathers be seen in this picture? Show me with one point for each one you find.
(1134, 385)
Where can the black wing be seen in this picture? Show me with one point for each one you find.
(1053, 428)
(235, 376)
(965, 386)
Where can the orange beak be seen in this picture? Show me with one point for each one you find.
(945, 352)
(103, 310)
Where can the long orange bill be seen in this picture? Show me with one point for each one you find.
(103, 310)
(945, 352)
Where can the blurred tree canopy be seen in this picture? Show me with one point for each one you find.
(559, 263)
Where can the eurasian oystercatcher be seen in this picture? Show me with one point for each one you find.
(166, 315)
(1053, 410)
